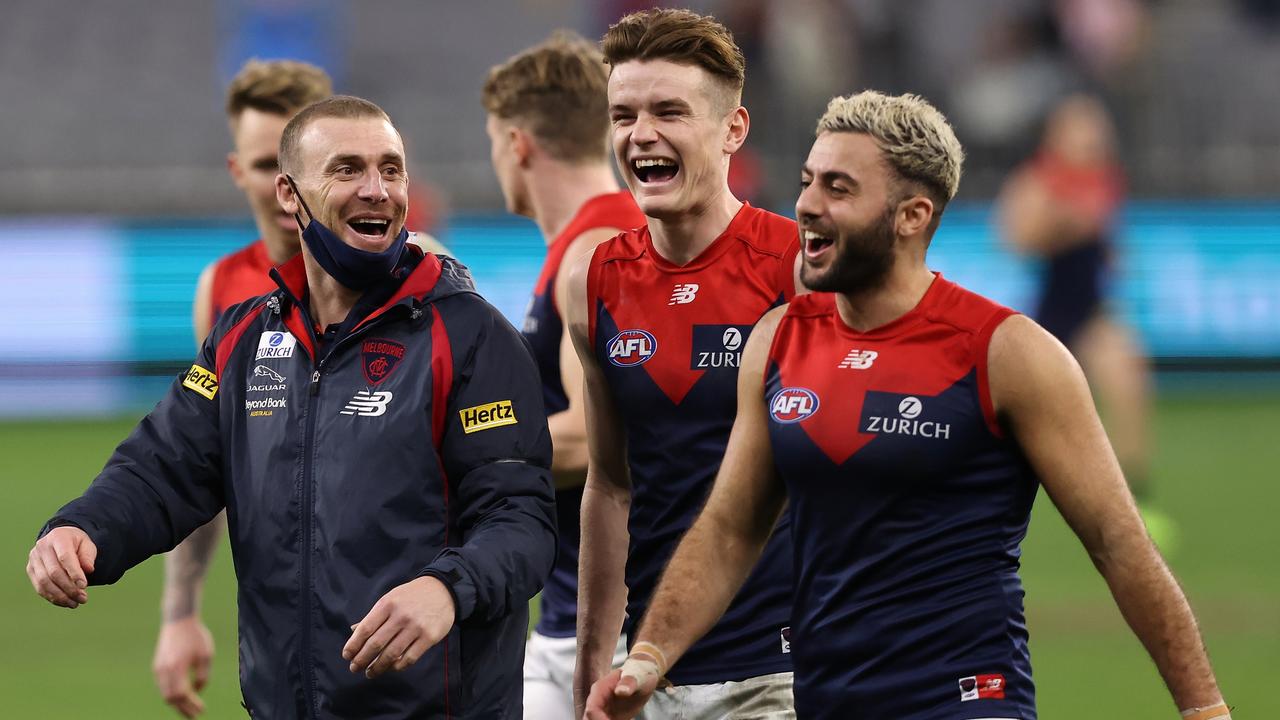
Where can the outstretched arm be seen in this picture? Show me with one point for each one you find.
(1040, 394)
(716, 555)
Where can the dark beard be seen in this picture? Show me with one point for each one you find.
(862, 263)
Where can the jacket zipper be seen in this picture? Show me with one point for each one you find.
(309, 674)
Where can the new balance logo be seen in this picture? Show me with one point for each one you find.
(367, 404)
(683, 294)
(858, 360)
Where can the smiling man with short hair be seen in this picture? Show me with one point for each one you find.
(376, 432)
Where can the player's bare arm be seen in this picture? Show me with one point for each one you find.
(606, 506)
(569, 428)
(184, 648)
(716, 555)
(202, 306)
(1041, 396)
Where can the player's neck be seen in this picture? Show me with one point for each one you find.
(281, 250)
(903, 289)
(329, 301)
(560, 190)
(681, 238)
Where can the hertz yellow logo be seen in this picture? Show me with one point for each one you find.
(202, 381)
(484, 417)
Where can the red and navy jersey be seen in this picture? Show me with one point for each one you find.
(244, 274)
(669, 339)
(908, 506)
(544, 330)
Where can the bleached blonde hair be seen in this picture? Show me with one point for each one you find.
(916, 140)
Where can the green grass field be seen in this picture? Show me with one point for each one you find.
(1216, 470)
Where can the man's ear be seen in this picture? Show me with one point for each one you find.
(913, 215)
(521, 143)
(286, 197)
(736, 132)
(234, 170)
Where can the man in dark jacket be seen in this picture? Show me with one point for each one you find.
(376, 433)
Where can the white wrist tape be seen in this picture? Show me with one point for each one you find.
(642, 669)
(1212, 712)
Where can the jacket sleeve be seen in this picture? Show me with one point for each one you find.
(161, 483)
(496, 453)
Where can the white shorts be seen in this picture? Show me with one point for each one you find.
(766, 697)
(548, 675)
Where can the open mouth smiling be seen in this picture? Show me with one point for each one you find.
(815, 244)
(654, 170)
(370, 227)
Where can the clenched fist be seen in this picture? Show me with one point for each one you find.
(58, 564)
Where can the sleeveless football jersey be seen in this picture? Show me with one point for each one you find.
(239, 276)
(669, 339)
(544, 331)
(908, 505)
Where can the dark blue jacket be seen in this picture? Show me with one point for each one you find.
(417, 445)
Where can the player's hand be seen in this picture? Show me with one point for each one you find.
(400, 627)
(622, 693)
(184, 653)
(58, 564)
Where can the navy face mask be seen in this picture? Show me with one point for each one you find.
(352, 267)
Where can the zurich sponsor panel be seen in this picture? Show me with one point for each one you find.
(718, 346)
(276, 344)
(898, 414)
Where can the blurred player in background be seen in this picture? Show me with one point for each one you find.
(548, 129)
(908, 423)
(262, 98)
(659, 316)
(1062, 207)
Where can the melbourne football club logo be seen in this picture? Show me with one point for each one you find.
(793, 404)
(380, 358)
(631, 347)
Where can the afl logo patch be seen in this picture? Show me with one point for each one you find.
(631, 347)
(791, 405)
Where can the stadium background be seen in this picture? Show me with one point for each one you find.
(113, 195)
